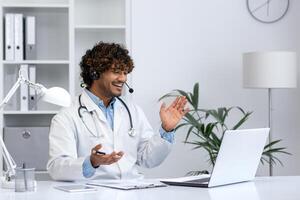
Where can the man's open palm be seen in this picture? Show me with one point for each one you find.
(170, 116)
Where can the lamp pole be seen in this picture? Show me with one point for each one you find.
(270, 126)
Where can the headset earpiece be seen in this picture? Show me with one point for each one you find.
(94, 75)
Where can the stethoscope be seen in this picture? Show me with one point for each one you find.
(131, 131)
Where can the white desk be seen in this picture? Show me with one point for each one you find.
(273, 188)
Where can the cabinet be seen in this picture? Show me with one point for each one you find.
(65, 29)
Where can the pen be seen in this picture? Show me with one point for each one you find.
(100, 152)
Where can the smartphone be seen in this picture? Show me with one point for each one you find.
(75, 188)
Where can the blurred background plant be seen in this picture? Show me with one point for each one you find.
(209, 125)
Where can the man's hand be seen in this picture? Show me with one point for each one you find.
(107, 159)
(171, 115)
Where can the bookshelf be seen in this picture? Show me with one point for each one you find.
(65, 29)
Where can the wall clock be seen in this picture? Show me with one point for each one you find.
(268, 11)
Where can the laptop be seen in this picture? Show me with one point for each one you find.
(237, 160)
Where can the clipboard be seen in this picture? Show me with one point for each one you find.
(75, 188)
(127, 184)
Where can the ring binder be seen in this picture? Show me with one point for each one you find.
(19, 49)
(9, 36)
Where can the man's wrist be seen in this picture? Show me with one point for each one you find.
(167, 129)
(94, 165)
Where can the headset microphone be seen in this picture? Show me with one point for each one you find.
(130, 89)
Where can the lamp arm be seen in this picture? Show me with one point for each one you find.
(36, 86)
(21, 79)
(11, 92)
(9, 161)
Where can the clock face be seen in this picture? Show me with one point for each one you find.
(268, 11)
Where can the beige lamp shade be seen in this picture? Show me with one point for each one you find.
(274, 69)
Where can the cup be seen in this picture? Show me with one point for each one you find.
(25, 180)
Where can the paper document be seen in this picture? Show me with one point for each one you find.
(128, 184)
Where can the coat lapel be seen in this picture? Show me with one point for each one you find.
(91, 106)
(118, 115)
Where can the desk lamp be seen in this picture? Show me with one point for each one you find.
(54, 95)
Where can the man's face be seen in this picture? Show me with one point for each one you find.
(111, 82)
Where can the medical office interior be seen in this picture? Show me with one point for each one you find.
(174, 44)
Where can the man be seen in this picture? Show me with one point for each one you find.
(102, 137)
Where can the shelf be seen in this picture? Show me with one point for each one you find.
(100, 27)
(34, 5)
(16, 112)
(36, 62)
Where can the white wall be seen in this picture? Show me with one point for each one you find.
(176, 43)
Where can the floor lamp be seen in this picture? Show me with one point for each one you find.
(270, 70)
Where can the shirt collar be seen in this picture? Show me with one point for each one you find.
(99, 102)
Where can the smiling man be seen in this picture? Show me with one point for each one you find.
(101, 136)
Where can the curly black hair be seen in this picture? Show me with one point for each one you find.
(102, 57)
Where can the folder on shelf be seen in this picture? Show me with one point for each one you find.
(19, 37)
(32, 93)
(9, 36)
(24, 89)
(10, 76)
(30, 38)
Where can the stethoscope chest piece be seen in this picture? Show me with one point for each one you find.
(131, 132)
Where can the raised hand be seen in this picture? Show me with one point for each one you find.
(170, 116)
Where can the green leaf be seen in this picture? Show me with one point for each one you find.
(193, 122)
(188, 134)
(186, 94)
(246, 116)
(180, 126)
(195, 97)
(167, 96)
(272, 143)
(239, 108)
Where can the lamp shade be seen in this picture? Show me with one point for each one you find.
(56, 95)
(274, 69)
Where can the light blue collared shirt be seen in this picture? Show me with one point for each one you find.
(87, 169)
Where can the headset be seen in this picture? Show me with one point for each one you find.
(94, 75)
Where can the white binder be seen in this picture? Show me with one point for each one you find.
(9, 79)
(24, 89)
(19, 37)
(32, 93)
(30, 40)
(9, 36)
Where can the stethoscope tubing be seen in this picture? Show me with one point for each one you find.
(131, 130)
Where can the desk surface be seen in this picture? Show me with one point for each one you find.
(274, 188)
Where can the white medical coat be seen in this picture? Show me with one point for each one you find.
(70, 142)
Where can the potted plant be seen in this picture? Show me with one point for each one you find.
(209, 125)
